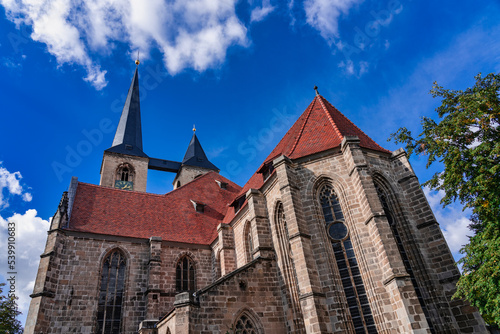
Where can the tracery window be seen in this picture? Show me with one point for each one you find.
(125, 172)
(354, 289)
(185, 275)
(245, 325)
(384, 200)
(109, 309)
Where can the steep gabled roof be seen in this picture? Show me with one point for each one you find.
(195, 156)
(128, 136)
(172, 216)
(320, 127)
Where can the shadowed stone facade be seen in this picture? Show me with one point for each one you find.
(273, 262)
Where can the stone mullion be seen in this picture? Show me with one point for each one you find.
(312, 298)
(395, 280)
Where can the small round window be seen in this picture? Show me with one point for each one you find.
(337, 231)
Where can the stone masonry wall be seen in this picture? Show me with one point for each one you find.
(253, 289)
(77, 262)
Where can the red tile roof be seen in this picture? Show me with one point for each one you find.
(172, 216)
(320, 127)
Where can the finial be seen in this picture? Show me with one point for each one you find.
(316, 89)
(194, 128)
(137, 62)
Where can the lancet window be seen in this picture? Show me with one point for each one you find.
(185, 275)
(109, 309)
(352, 283)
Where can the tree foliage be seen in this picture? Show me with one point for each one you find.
(466, 140)
(8, 314)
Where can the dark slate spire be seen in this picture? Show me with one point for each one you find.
(195, 156)
(128, 136)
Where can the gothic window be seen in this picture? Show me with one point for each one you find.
(384, 200)
(109, 309)
(185, 275)
(248, 242)
(352, 283)
(245, 325)
(125, 172)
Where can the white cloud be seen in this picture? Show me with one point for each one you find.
(357, 70)
(260, 13)
(453, 221)
(190, 33)
(29, 244)
(10, 185)
(323, 15)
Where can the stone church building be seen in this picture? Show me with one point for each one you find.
(332, 234)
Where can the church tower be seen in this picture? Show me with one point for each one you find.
(124, 164)
(194, 164)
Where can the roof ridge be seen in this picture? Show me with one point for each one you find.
(330, 117)
(302, 128)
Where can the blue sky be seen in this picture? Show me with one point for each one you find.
(242, 71)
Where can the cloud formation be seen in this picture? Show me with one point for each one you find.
(29, 243)
(260, 13)
(323, 15)
(10, 185)
(189, 33)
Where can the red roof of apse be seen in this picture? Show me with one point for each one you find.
(320, 127)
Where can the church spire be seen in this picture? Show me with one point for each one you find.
(195, 156)
(128, 136)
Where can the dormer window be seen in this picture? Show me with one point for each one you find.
(238, 203)
(222, 185)
(198, 206)
(266, 170)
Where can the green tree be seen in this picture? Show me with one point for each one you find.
(466, 140)
(8, 313)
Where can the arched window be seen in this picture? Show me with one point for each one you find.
(185, 275)
(125, 172)
(389, 213)
(248, 242)
(245, 325)
(354, 289)
(109, 309)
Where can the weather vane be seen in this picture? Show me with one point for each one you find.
(316, 89)
(194, 128)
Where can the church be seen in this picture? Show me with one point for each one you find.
(331, 234)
